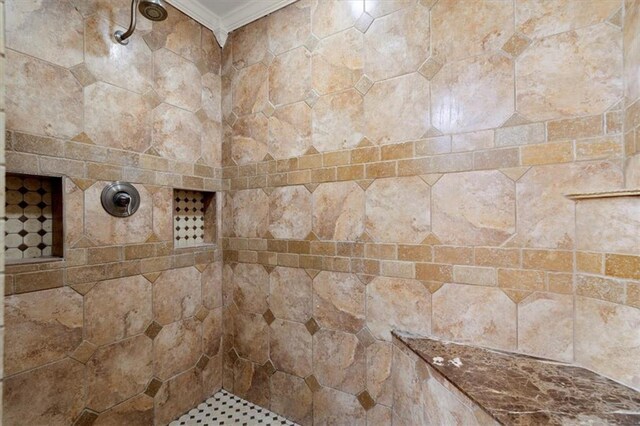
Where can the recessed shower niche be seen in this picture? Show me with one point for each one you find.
(33, 222)
(194, 218)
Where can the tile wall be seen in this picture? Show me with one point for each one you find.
(403, 164)
(2, 190)
(127, 328)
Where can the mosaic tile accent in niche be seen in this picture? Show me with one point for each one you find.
(192, 218)
(30, 220)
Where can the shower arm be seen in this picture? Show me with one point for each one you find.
(121, 37)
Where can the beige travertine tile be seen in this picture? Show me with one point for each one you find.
(250, 213)
(330, 16)
(474, 141)
(474, 208)
(540, 19)
(250, 288)
(176, 133)
(378, 8)
(73, 212)
(483, 316)
(104, 107)
(116, 309)
(339, 301)
(34, 28)
(543, 92)
(52, 394)
(212, 278)
(379, 378)
(290, 212)
(212, 330)
(212, 376)
(41, 327)
(118, 371)
(251, 337)
(338, 211)
(289, 27)
(475, 275)
(137, 410)
(397, 110)
(129, 68)
(176, 295)
(290, 77)
(251, 382)
(41, 98)
(398, 210)
(118, 10)
(290, 131)
(606, 335)
(290, 347)
(545, 326)
(177, 80)
(291, 294)
(182, 34)
(292, 398)
(398, 304)
(249, 43)
(608, 225)
(250, 139)
(250, 89)
(409, 30)
(339, 360)
(622, 266)
(545, 216)
(608, 289)
(338, 62)
(521, 135)
(163, 213)
(177, 396)
(332, 407)
(631, 45)
(177, 347)
(455, 91)
(461, 30)
(338, 121)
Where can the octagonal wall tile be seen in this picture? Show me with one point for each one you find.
(339, 360)
(397, 110)
(212, 96)
(212, 285)
(176, 133)
(163, 213)
(249, 43)
(212, 328)
(291, 294)
(116, 10)
(290, 131)
(290, 347)
(103, 228)
(73, 212)
(378, 8)
(116, 118)
(183, 35)
(609, 225)
(250, 89)
(250, 213)
(538, 19)
(546, 218)
(339, 301)
(338, 121)
(41, 327)
(338, 62)
(398, 210)
(461, 30)
(290, 76)
(177, 396)
(289, 27)
(250, 287)
(291, 397)
(118, 372)
(129, 67)
(379, 378)
(631, 44)
(251, 337)
(545, 326)
(474, 208)
(33, 27)
(50, 395)
(331, 16)
(482, 316)
(398, 304)
(331, 406)
(177, 80)
(137, 410)
(338, 211)
(290, 212)
(177, 348)
(41, 98)
(546, 92)
(398, 43)
(116, 309)
(455, 91)
(176, 295)
(250, 139)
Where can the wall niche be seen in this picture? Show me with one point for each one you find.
(194, 218)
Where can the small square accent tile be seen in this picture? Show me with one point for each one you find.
(312, 383)
(364, 84)
(364, 22)
(312, 326)
(153, 387)
(365, 337)
(516, 45)
(224, 408)
(87, 418)
(365, 400)
(152, 330)
(268, 316)
(202, 362)
(269, 368)
(430, 68)
(188, 218)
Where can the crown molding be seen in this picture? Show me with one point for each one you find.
(223, 25)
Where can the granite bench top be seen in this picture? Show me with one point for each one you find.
(518, 389)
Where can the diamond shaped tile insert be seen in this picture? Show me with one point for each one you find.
(364, 22)
(516, 45)
(312, 383)
(202, 362)
(23, 204)
(152, 330)
(364, 84)
(22, 232)
(365, 337)
(430, 68)
(153, 387)
(311, 43)
(269, 368)
(87, 418)
(23, 190)
(312, 326)
(366, 401)
(202, 313)
(41, 191)
(155, 40)
(312, 98)
(233, 355)
(268, 316)
(269, 109)
(23, 247)
(83, 75)
(84, 351)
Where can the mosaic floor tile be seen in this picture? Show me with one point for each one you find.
(224, 408)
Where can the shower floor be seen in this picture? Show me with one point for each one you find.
(224, 408)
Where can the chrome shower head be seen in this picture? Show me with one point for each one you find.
(154, 10)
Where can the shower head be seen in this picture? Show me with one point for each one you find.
(154, 10)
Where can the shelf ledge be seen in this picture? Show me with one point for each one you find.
(634, 192)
